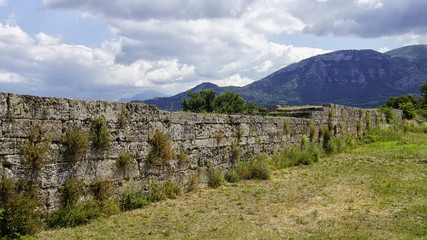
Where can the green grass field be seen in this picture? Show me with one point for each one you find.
(375, 190)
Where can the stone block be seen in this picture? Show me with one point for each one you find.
(54, 175)
(3, 105)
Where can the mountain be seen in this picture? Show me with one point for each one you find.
(149, 94)
(361, 78)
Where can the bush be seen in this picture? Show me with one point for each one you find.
(74, 212)
(100, 134)
(258, 168)
(310, 153)
(409, 111)
(303, 140)
(312, 131)
(36, 150)
(133, 199)
(335, 145)
(215, 178)
(236, 152)
(18, 210)
(193, 182)
(158, 192)
(231, 176)
(102, 190)
(71, 216)
(76, 145)
(326, 138)
(71, 192)
(295, 157)
(125, 159)
(161, 151)
(384, 133)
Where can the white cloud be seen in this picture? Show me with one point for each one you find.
(384, 49)
(168, 46)
(3, 3)
(44, 65)
(173, 45)
(6, 77)
(234, 80)
(44, 39)
(369, 4)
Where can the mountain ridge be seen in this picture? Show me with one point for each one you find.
(360, 78)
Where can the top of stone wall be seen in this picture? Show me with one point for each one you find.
(15, 106)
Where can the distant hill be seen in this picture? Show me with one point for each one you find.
(361, 78)
(149, 94)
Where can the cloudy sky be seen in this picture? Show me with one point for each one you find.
(97, 49)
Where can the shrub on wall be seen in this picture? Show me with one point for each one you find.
(125, 159)
(219, 136)
(240, 133)
(36, 150)
(100, 134)
(161, 150)
(388, 113)
(182, 157)
(122, 118)
(368, 121)
(76, 144)
(236, 152)
(286, 126)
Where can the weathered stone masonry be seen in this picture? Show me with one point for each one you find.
(206, 139)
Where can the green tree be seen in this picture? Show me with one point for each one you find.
(395, 102)
(229, 102)
(408, 109)
(199, 102)
(206, 101)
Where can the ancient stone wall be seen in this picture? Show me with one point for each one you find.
(204, 139)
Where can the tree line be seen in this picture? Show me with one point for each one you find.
(410, 106)
(207, 101)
